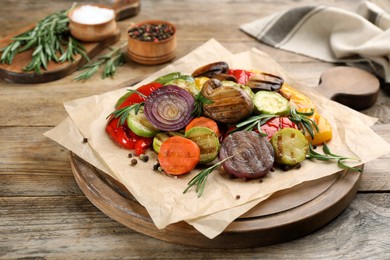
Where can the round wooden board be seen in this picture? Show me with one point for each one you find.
(286, 215)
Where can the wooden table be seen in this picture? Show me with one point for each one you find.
(44, 214)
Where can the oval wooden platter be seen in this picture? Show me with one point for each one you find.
(14, 72)
(286, 215)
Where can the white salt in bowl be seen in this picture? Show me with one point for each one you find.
(92, 22)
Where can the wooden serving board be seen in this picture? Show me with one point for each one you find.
(352, 87)
(14, 72)
(286, 215)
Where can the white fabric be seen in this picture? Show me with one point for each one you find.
(332, 34)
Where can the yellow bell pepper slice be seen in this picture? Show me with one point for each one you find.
(325, 130)
(303, 104)
(199, 81)
(298, 100)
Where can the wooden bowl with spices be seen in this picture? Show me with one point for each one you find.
(92, 22)
(151, 42)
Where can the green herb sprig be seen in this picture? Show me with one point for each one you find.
(200, 179)
(123, 113)
(328, 155)
(253, 122)
(200, 100)
(111, 61)
(303, 121)
(47, 39)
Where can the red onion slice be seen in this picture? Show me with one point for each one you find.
(252, 155)
(169, 108)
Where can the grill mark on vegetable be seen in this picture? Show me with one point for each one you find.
(207, 141)
(252, 155)
(280, 146)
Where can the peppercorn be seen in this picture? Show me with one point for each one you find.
(85, 140)
(144, 157)
(133, 161)
(156, 165)
(151, 32)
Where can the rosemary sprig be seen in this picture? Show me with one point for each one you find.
(123, 113)
(46, 39)
(110, 61)
(200, 100)
(73, 48)
(200, 179)
(253, 122)
(303, 121)
(328, 155)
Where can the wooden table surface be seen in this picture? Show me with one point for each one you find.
(44, 214)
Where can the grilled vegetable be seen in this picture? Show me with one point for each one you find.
(203, 122)
(169, 108)
(161, 137)
(207, 140)
(265, 81)
(171, 76)
(211, 69)
(228, 104)
(178, 155)
(290, 146)
(252, 155)
(324, 133)
(187, 83)
(242, 76)
(268, 102)
(139, 124)
(297, 99)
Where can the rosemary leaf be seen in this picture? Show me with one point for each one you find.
(123, 113)
(134, 91)
(253, 121)
(303, 121)
(46, 40)
(200, 100)
(87, 74)
(328, 156)
(110, 61)
(200, 179)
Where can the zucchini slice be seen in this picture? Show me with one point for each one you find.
(290, 146)
(268, 102)
(139, 124)
(207, 140)
(161, 137)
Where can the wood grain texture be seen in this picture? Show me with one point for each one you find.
(55, 227)
(43, 213)
(284, 216)
(15, 73)
(352, 87)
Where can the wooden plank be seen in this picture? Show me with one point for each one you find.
(51, 227)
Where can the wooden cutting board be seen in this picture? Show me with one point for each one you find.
(352, 87)
(14, 72)
(286, 215)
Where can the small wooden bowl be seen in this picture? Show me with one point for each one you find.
(151, 53)
(92, 32)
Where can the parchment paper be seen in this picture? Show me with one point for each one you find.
(163, 196)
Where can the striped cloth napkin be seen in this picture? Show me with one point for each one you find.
(331, 34)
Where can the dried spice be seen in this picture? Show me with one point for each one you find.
(133, 162)
(152, 32)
